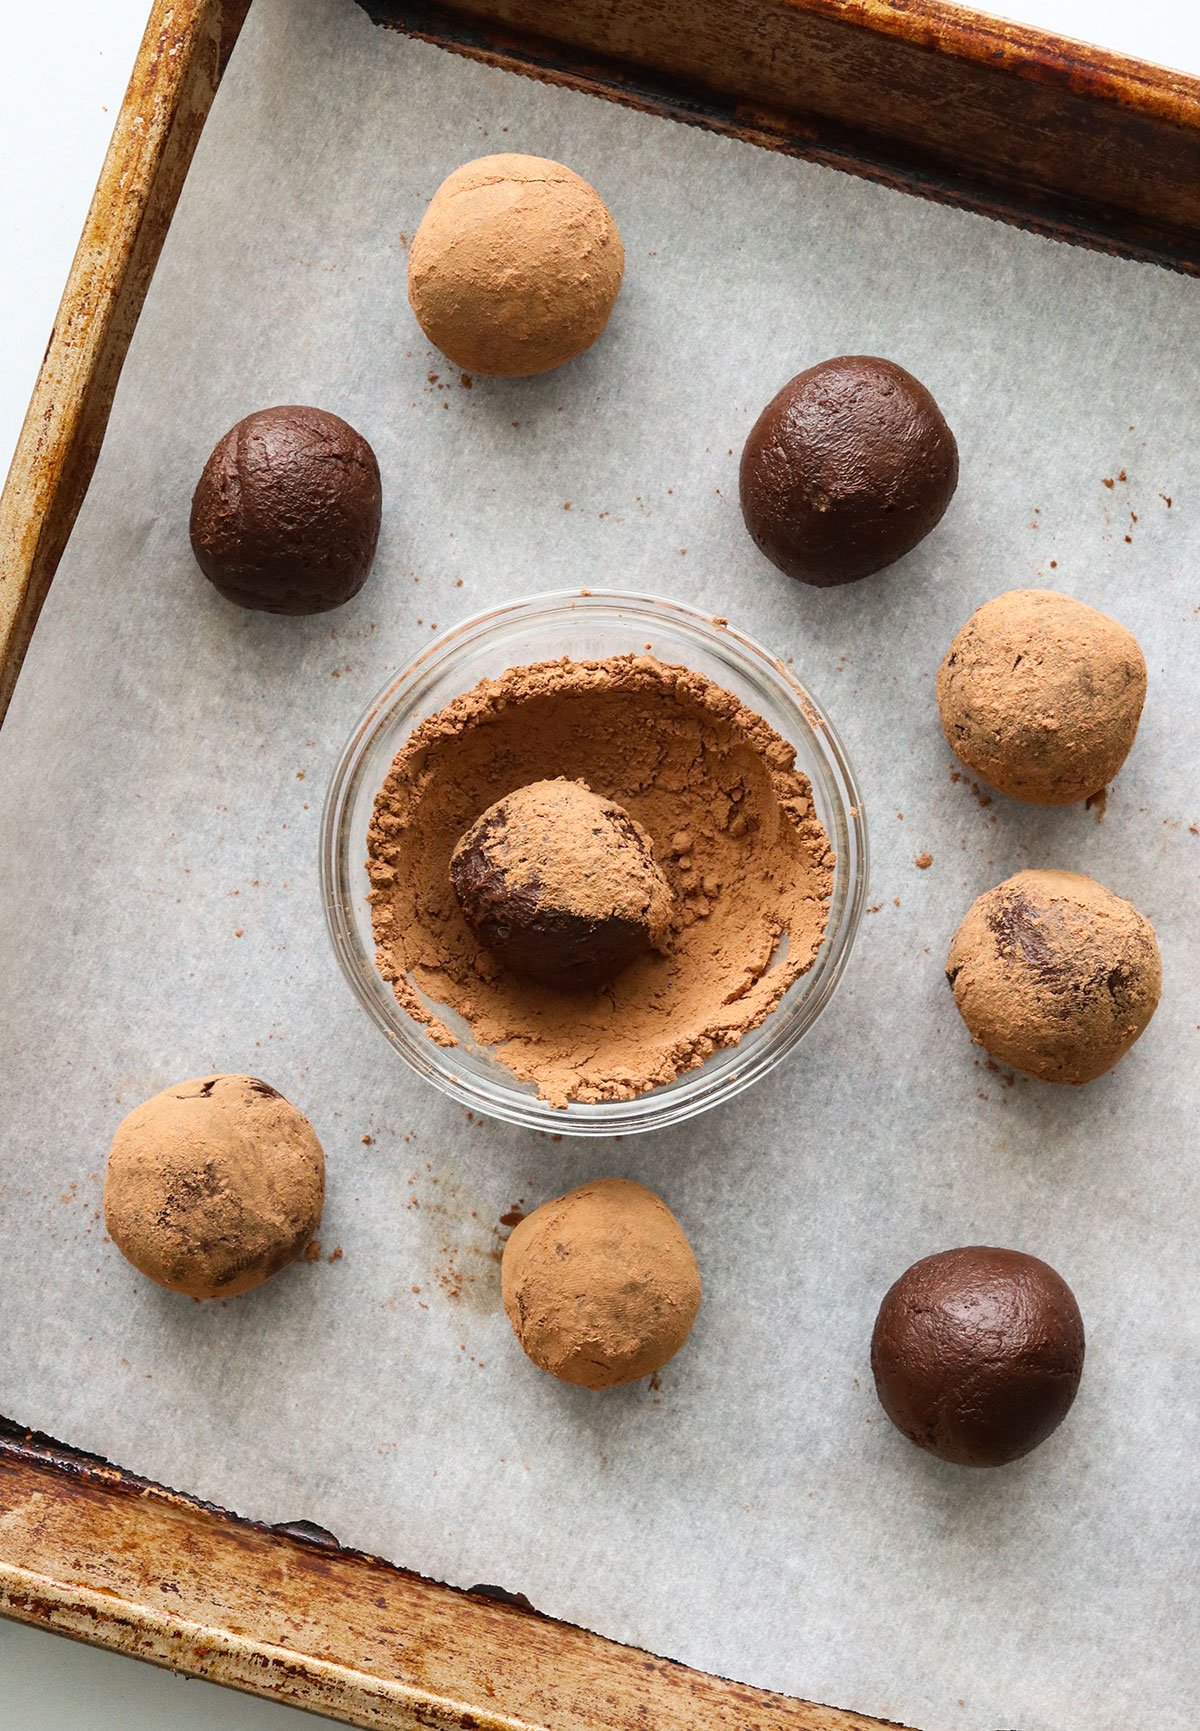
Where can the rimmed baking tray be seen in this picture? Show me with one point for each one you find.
(1077, 144)
(1058, 137)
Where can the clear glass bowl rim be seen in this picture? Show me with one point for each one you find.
(694, 1091)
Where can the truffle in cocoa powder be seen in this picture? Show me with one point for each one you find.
(846, 469)
(733, 825)
(561, 886)
(286, 514)
(977, 1354)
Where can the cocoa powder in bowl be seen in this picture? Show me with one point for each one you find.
(733, 828)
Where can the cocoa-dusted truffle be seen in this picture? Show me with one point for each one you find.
(1055, 975)
(561, 885)
(1041, 695)
(846, 469)
(515, 266)
(213, 1185)
(977, 1354)
(601, 1285)
(286, 514)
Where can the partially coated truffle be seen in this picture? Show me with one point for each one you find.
(1041, 695)
(561, 885)
(601, 1285)
(214, 1185)
(1055, 975)
(515, 266)
(977, 1354)
(846, 469)
(285, 516)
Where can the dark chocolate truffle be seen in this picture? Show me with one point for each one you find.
(846, 469)
(561, 885)
(977, 1354)
(286, 514)
(1055, 975)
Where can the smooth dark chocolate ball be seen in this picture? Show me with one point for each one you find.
(846, 469)
(285, 516)
(561, 886)
(977, 1354)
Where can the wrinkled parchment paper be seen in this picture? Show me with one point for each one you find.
(161, 776)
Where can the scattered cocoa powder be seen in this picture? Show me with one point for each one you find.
(733, 827)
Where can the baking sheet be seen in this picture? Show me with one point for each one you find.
(161, 775)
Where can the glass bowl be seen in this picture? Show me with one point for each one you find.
(587, 624)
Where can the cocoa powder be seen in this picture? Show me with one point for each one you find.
(733, 827)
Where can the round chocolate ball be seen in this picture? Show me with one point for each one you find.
(515, 267)
(1041, 696)
(285, 516)
(846, 469)
(561, 886)
(1055, 975)
(601, 1285)
(977, 1354)
(214, 1185)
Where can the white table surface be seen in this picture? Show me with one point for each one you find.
(63, 70)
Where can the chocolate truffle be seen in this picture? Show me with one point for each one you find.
(1041, 696)
(734, 825)
(212, 1186)
(561, 885)
(1055, 975)
(977, 1354)
(285, 516)
(846, 469)
(601, 1285)
(515, 267)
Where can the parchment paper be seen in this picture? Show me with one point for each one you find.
(161, 775)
